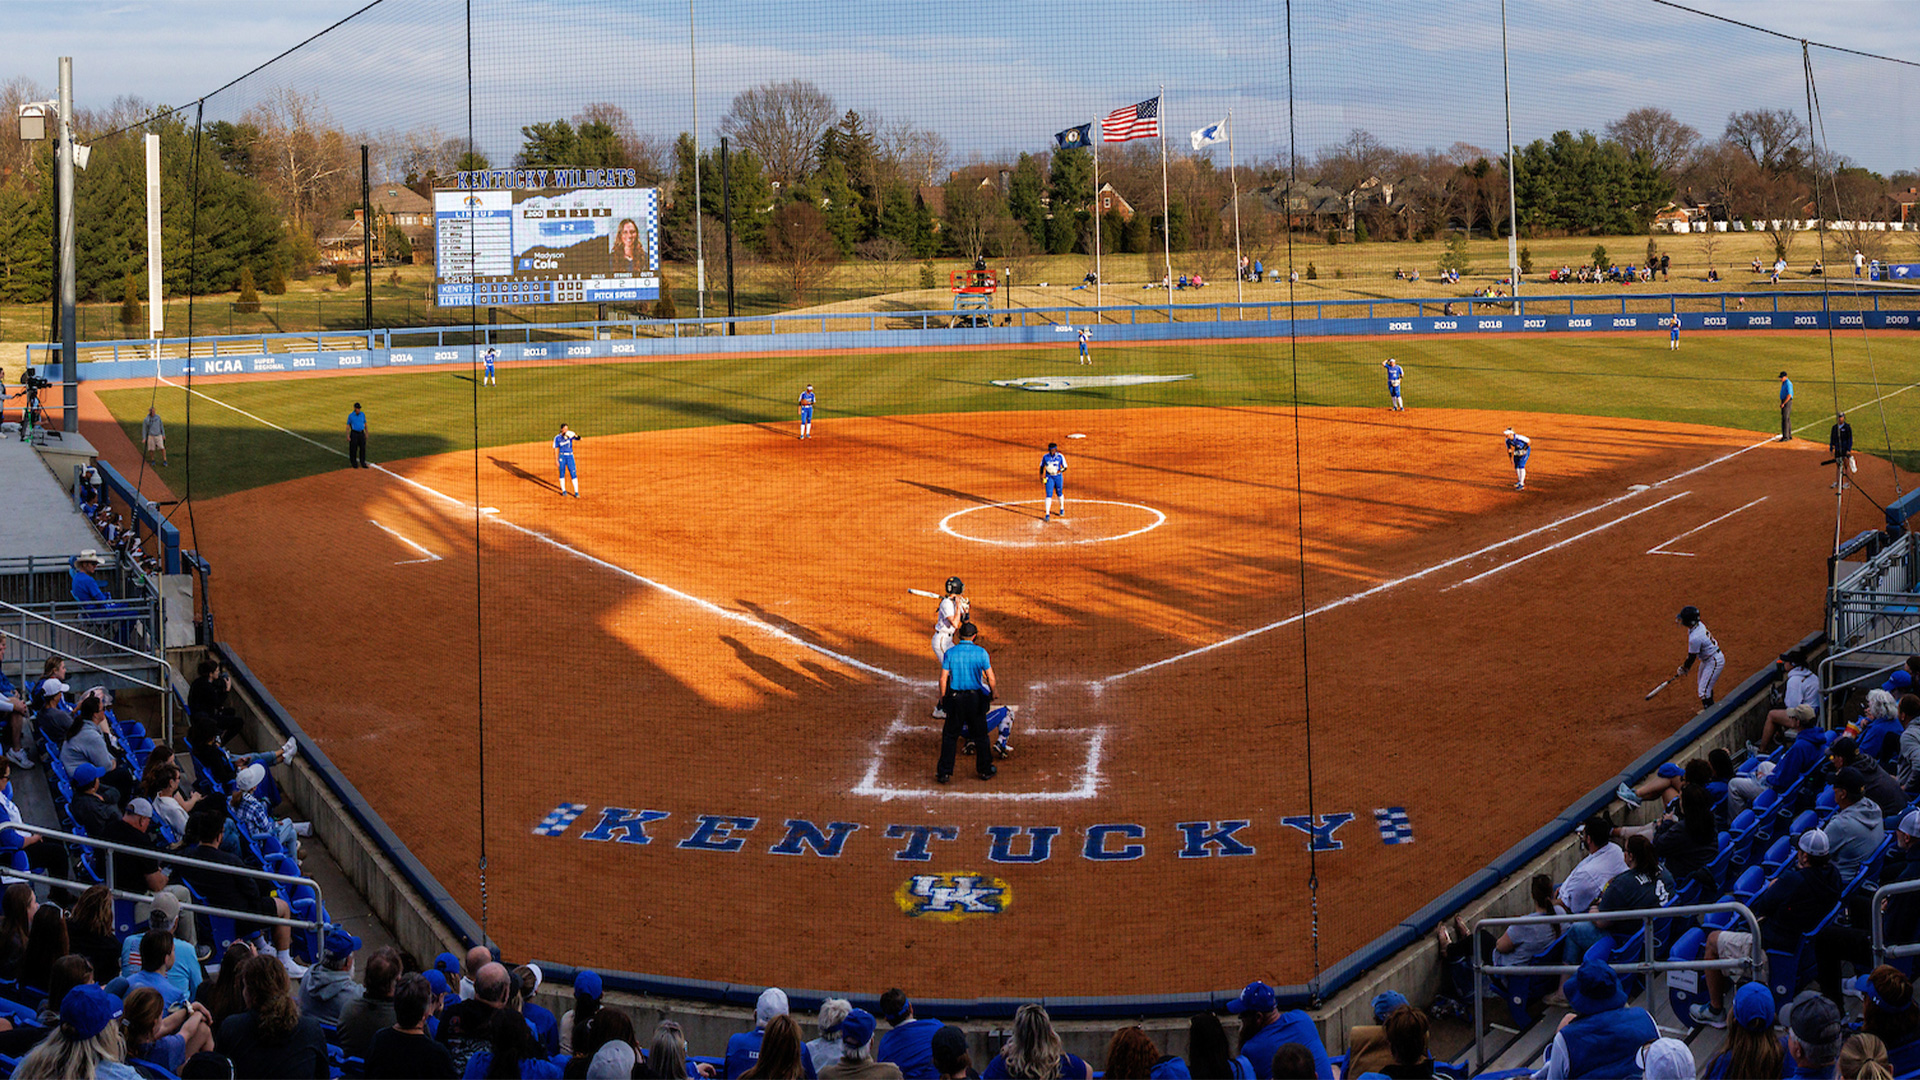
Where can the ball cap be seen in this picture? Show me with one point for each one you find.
(1814, 842)
(249, 778)
(1753, 1004)
(87, 774)
(856, 1029)
(54, 686)
(1911, 823)
(340, 944)
(141, 807)
(1257, 997)
(1815, 1021)
(166, 907)
(88, 1010)
(436, 979)
(1384, 1004)
(949, 1045)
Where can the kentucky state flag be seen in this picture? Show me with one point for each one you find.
(1074, 136)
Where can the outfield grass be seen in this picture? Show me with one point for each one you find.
(1726, 380)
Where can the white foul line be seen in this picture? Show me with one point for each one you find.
(1558, 544)
(430, 556)
(1087, 787)
(706, 605)
(1660, 548)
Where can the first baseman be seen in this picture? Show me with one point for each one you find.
(953, 610)
(1701, 647)
(563, 446)
(1394, 374)
(1519, 447)
(1082, 335)
(806, 412)
(1053, 481)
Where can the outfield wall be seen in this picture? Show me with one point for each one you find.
(548, 343)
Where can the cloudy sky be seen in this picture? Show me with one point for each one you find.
(998, 77)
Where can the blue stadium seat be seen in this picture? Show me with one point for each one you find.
(1777, 856)
(1905, 1058)
(1521, 991)
(1749, 884)
(1685, 989)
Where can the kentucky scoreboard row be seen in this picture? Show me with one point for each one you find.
(546, 236)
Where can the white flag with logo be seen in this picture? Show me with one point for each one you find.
(1212, 133)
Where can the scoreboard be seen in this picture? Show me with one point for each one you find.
(546, 236)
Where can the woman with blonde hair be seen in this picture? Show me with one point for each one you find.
(1034, 1052)
(86, 1046)
(1864, 1057)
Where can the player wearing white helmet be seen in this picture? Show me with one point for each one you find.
(953, 610)
(1702, 647)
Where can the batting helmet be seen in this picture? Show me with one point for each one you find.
(955, 585)
(1689, 615)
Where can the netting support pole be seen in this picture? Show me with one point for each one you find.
(366, 245)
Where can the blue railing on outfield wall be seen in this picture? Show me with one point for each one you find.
(233, 354)
(1331, 981)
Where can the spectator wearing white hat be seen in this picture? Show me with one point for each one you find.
(1788, 907)
(252, 814)
(743, 1049)
(856, 1051)
(545, 1027)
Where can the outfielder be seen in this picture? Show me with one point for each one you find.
(1701, 647)
(563, 447)
(1519, 448)
(806, 412)
(1053, 481)
(953, 610)
(488, 358)
(1394, 374)
(1082, 335)
(1673, 333)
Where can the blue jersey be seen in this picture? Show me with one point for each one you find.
(1083, 339)
(563, 445)
(1786, 389)
(806, 400)
(356, 421)
(1394, 374)
(1519, 446)
(963, 665)
(490, 358)
(1053, 463)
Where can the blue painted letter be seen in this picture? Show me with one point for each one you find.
(1202, 834)
(715, 833)
(626, 826)
(1096, 848)
(803, 834)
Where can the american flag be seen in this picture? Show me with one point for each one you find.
(1140, 121)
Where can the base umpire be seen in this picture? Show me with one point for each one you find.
(966, 686)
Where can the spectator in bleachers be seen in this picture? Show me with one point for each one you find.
(1798, 898)
(856, 1060)
(1367, 1049)
(952, 1061)
(1688, 840)
(156, 954)
(253, 815)
(271, 1040)
(1665, 784)
(1879, 727)
(207, 700)
(1667, 1059)
(1814, 1034)
(1752, 1048)
(512, 1051)
(1210, 1053)
(19, 713)
(910, 1042)
(586, 1000)
(90, 811)
(143, 873)
(232, 891)
(17, 907)
(1850, 941)
(477, 957)
(667, 1058)
(88, 1041)
(609, 1027)
(825, 1050)
(46, 856)
(780, 1055)
(67, 972)
(46, 943)
(1799, 702)
(1603, 1036)
(1602, 861)
(1807, 752)
(1407, 1031)
(1908, 769)
(162, 1036)
(90, 933)
(545, 1027)
(1643, 884)
(160, 785)
(1131, 1055)
(184, 970)
(743, 1049)
(1293, 1061)
(1520, 944)
(1034, 1051)
(86, 589)
(54, 718)
(1903, 679)
(328, 987)
(404, 1051)
(1890, 1013)
(373, 1009)
(466, 1027)
(91, 742)
(221, 994)
(1855, 830)
(1863, 1057)
(1263, 1027)
(208, 745)
(1878, 784)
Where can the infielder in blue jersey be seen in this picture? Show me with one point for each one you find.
(806, 412)
(563, 447)
(1394, 374)
(1082, 335)
(488, 358)
(1053, 481)
(1519, 447)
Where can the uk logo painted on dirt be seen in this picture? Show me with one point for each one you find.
(953, 897)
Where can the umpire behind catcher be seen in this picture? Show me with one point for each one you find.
(966, 685)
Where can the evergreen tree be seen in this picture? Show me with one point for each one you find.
(1023, 199)
(130, 303)
(551, 144)
(1069, 198)
(249, 298)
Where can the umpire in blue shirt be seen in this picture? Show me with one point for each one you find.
(966, 686)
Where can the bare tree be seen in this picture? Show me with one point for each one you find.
(1771, 138)
(915, 154)
(309, 162)
(1710, 245)
(1667, 141)
(800, 250)
(781, 123)
(1345, 166)
(647, 154)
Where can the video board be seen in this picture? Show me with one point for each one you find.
(546, 236)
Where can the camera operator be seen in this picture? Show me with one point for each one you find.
(31, 385)
(207, 700)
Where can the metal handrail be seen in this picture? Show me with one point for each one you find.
(1646, 916)
(159, 660)
(109, 847)
(154, 658)
(1882, 950)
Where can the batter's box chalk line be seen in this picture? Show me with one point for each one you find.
(1086, 785)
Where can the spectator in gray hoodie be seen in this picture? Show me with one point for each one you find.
(1854, 831)
(1909, 768)
(328, 987)
(1878, 783)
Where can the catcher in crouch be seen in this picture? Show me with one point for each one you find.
(954, 609)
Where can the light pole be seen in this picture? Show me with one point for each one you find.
(33, 128)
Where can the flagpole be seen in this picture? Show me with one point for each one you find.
(1099, 277)
(1239, 279)
(1166, 205)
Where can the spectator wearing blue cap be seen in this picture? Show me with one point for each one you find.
(1034, 1051)
(1807, 752)
(1797, 899)
(586, 1002)
(856, 1051)
(1264, 1029)
(87, 1043)
(1604, 1037)
(328, 987)
(406, 1050)
(89, 808)
(443, 996)
(1367, 1049)
(1752, 1048)
(910, 1042)
(825, 1050)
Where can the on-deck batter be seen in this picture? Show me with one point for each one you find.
(1701, 647)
